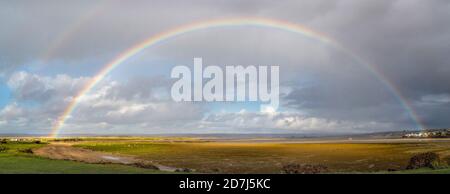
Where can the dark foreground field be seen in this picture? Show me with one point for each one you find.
(199, 156)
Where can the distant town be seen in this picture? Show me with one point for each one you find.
(429, 133)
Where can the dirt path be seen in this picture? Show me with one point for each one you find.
(65, 151)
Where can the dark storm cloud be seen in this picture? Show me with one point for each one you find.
(409, 42)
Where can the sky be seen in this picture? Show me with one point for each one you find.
(49, 50)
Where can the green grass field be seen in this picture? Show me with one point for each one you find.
(13, 161)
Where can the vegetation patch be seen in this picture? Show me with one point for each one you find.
(26, 150)
(3, 149)
(304, 169)
(184, 170)
(426, 160)
(145, 165)
(67, 140)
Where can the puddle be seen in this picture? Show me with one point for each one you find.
(111, 158)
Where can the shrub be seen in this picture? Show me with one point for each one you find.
(304, 169)
(426, 160)
(67, 140)
(186, 170)
(26, 150)
(145, 165)
(3, 141)
(3, 149)
(215, 170)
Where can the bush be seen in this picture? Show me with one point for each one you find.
(67, 140)
(26, 150)
(186, 170)
(3, 149)
(145, 165)
(426, 160)
(215, 170)
(304, 169)
(3, 141)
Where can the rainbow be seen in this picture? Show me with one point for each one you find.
(234, 22)
(66, 36)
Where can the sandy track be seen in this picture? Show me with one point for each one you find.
(65, 151)
(61, 151)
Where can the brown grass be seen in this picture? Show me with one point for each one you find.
(241, 157)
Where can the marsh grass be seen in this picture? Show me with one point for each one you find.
(241, 157)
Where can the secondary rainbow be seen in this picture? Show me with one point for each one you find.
(241, 21)
(65, 38)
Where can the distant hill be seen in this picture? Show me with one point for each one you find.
(426, 133)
